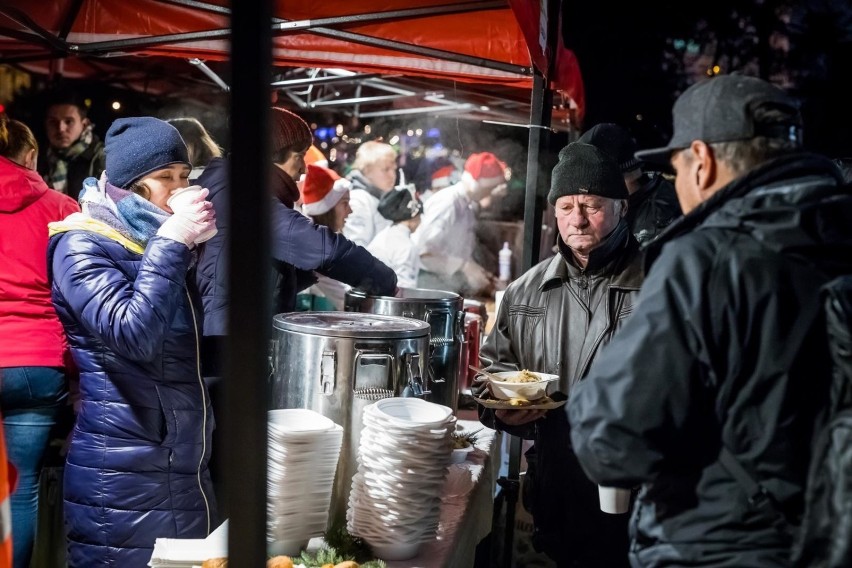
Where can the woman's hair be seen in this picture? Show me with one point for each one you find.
(141, 189)
(372, 152)
(326, 219)
(283, 154)
(200, 145)
(16, 139)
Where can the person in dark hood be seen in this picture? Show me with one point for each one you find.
(653, 203)
(298, 248)
(554, 319)
(726, 353)
(74, 151)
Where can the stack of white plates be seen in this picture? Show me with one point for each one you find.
(403, 455)
(304, 447)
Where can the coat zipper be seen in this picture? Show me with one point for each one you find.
(204, 406)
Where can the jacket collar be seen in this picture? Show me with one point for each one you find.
(360, 181)
(616, 257)
(774, 171)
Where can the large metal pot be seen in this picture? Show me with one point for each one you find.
(443, 311)
(336, 363)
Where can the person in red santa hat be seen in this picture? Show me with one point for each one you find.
(325, 199)
(447, 233)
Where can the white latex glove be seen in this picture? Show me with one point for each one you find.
(191, 223)
(478, 279)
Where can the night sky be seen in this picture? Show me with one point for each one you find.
(631, 77)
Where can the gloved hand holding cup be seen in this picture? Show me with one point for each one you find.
(194, 220)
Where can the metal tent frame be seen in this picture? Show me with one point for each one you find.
(251, 32)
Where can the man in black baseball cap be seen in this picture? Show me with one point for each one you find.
(729, 108)
(719, 374)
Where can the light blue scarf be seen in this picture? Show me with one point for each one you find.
(133, 216)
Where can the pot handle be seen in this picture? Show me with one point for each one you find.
(328, 371)
(415, 386)
(365, 356)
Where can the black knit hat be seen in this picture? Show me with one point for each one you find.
(584, 169)
(615, 141)
(400, 205)
(139, 145)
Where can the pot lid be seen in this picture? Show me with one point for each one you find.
(410, 294)
(351, 324)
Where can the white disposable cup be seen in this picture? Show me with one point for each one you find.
(614, 500)
(183, 198)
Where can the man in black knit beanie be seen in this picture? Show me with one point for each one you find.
(554, 319)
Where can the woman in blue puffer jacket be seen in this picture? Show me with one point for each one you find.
(137, 466)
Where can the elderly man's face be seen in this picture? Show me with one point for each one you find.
(586, 220)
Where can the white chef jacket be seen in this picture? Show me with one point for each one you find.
(393, 246)
(446, 235)
(365, 221)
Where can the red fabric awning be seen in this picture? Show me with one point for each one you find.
(505, 35)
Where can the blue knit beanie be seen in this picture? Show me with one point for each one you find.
(139, 145)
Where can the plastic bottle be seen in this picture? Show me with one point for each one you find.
(505, 262)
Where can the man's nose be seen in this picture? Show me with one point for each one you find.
(577, 218)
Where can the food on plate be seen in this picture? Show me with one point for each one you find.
(279, 562)
(347, 564)
(462, 440)
(519, 402)
(524, 376)
(215, 563)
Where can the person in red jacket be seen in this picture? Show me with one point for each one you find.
(8, 481)
(33, 389)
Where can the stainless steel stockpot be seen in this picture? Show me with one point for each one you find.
(443, 311)
(336, 363)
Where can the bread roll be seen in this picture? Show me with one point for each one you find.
(279, 562)
(215, 563)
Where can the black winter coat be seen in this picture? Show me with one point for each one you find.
(652, 208)
(726, 347)
(298, 245)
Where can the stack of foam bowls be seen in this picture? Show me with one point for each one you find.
(304, 447)
(404, 451)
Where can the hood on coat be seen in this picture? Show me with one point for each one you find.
(83, 222)
(796, 205)
(19, 186)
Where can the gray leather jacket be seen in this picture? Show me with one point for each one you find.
(555, 317)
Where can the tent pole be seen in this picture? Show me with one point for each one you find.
(249, 324)
(539, 138)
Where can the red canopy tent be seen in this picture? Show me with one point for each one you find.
(483, 43)
(487, 44)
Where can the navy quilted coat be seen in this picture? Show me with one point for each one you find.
(137, 465)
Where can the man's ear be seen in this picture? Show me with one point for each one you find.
(86, 122)
(704, 165)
